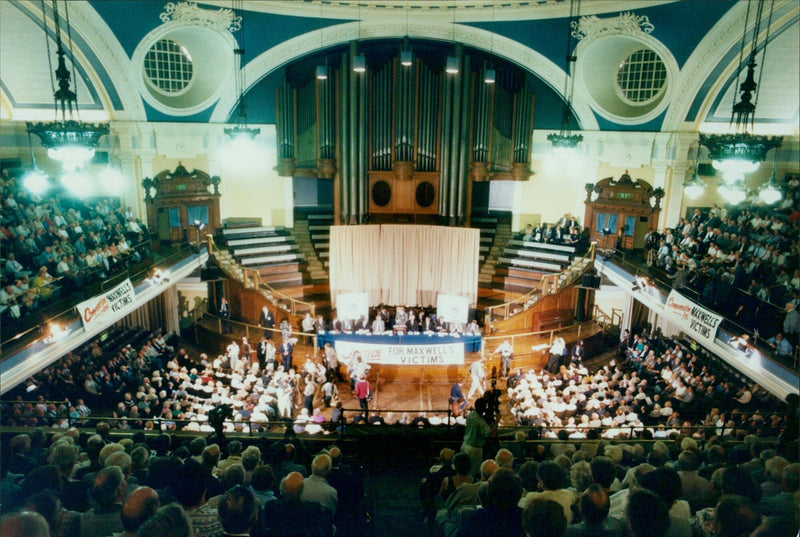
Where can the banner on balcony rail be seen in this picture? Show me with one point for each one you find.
(699, 323)
(443, 354)
(96, 309)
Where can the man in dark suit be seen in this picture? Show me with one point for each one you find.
(266, 321)
(336, 324)
(225, 315)
(261, 353)
(286, 351)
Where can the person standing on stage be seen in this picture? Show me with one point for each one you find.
(554, 364)
(269, 355)
(225, 315)
(286, 329)
(458, 402)
(578, 353)
(331, 362)
(261, 353)
(506, 355)
(245, 352)
(362, 393)
(477, 374)
(308, 327)
(476, 434)
(286, 353)
(266, 321)
(233, 356)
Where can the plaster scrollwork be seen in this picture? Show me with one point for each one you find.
(629, 23)
(188, 13)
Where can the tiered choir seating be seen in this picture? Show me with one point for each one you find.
(524, 263)
(271, 250)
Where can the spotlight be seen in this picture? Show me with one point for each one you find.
(490, 77)
(322, 72)
(406, 58)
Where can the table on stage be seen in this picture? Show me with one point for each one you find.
(471, 343)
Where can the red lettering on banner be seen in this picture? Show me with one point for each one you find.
(102, 307)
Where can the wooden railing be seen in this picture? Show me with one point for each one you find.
(548, 285)
(550, 334)
(252, 280)
(605, 320)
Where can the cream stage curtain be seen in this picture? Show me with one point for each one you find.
(404, 264)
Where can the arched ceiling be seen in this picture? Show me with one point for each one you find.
(702, 37)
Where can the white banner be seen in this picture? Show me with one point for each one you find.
(352, 306)
(699, 322)
(444, 354)
(93, 311)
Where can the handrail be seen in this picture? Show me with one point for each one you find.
(258, 284)
(552, 332)
(604, 319)
(548, 285)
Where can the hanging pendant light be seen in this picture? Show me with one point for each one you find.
(565, 141)
(68, 140)
(770, 192)
(740, 151)
(241, 131)
(694, 186)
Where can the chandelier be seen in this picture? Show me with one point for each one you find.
(67, 139)
(241, 130)
(694, 187)
(565, 141)
(740, 151)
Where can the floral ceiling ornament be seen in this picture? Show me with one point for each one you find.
(188, 13)
(628, 22)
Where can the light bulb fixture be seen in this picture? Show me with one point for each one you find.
(770, 192)
(694, 186)
(564, 141)
(732, 192)
(67, 139)
(740, 151)
(452, 65)
(322, 72)
(406, 58)
(490, 76)
(241, 130)
(359, 63)
(36, 181)
(78, 183)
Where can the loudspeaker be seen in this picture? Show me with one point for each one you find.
(209, 273)
(590, 281)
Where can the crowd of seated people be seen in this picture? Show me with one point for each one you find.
(73, 485)
(710, 487)
(658, 388)
(566, 231)
(54, 246)
(741, 261)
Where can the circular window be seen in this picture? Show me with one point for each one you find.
(183, 69)
(641, 77)
(381, 193)
(626, 79)
(425, 194)
(168, 67)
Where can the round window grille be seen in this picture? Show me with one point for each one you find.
(168, 67)
(425, 194)
(381, 193)
(641, 77)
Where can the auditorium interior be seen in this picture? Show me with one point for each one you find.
(339, 223)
